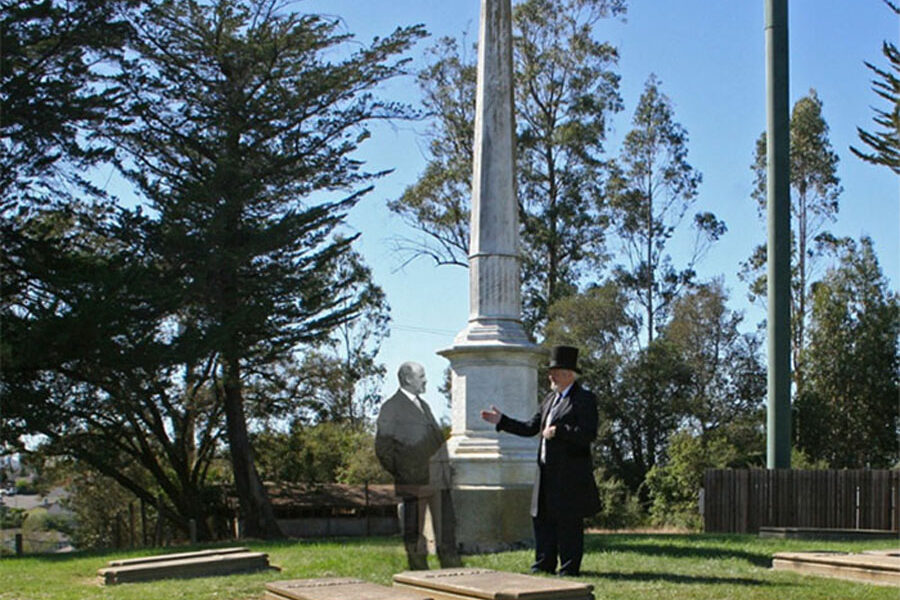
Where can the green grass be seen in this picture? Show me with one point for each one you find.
(620, 566)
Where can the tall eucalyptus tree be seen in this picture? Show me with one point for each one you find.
(566, 90)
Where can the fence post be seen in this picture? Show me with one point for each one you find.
(19, 545)
(117, 531)
(159, 521)
(192, 530)
(132, 542)
(143, 523)
(893, 516)
(368, 518)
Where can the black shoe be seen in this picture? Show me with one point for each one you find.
(540, 570)
(568, 573)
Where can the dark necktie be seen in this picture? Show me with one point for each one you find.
(551, 414)
(554, 408)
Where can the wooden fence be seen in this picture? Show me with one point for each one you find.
(742, 501)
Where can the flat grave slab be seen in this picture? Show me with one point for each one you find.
(894, 552)
(487, 584)
(336, 588)
(826, 533)
(189, 564)
(880, 567)
(165, 557)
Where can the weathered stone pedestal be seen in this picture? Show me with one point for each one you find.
(485, 584)
(493, 473)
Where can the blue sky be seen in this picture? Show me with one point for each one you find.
(709, 56)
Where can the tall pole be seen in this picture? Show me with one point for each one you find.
(778, 202)
(495, 305)
(492, 361)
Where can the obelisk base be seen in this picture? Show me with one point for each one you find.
(493, 473)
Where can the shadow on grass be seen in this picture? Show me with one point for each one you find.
(673, 546)
(253, 544)
(675, 578)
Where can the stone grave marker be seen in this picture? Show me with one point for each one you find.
(190, 564)
(879, 567)
(486, 584)
(337, 588)
(164, 557)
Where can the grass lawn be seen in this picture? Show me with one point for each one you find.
(620, 566)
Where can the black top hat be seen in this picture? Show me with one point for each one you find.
(564, 357)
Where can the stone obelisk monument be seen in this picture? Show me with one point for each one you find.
(492, 360)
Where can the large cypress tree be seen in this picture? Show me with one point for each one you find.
(83, 368)
(50, 51)
(884, 145)
(239, 138)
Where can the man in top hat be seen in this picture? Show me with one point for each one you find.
(564, 490)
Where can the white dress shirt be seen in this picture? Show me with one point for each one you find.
(414, 399)
(550, 415)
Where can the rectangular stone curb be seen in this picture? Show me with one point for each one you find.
(895, 553)
(336, 588)
(826, 533)
(486, 584)
(165, 557)
(881, 568)
(201, 566)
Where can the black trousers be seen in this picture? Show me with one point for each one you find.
(557, 536)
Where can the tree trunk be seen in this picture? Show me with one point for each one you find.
(651, 268)
(255, 508)
(800, 318)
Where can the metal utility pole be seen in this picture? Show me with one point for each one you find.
(778, 202)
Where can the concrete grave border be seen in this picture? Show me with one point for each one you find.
(203, 563)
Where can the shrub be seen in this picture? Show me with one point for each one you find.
(25, 486)
(674, 486)
(322, 453)
(620, 509)
(11, 518)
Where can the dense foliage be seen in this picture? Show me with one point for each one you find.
(884, 144)
(566, 91)
(143, 341)
(848, 414)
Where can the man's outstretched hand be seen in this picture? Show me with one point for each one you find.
(491, 416)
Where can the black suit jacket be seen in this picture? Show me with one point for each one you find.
(405, 440)
(567, 475)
